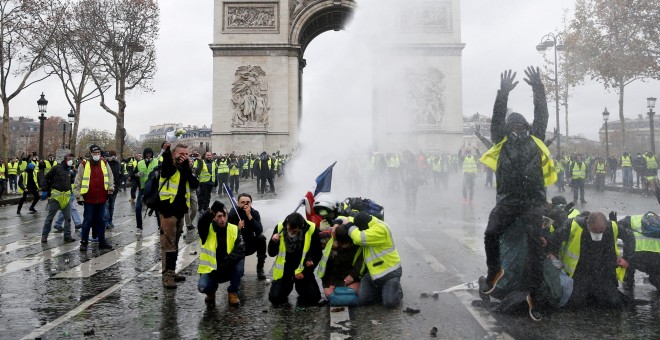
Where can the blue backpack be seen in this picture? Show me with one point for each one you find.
(352, 205)
(651, 225)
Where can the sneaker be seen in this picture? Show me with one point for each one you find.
(33, 210)
(491, 281)
(533, 312)
(138, 232)
(83, 246)
(44, 239)
(69, 239)
(78, 226)
(132, 200)
(233, 299)
(93, 239)
(105, 245)
(58, 229)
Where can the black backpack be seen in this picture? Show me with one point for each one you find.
(150, 198)
(651, 225)
(352, 205)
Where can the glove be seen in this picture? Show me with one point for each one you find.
(44, 195)
(613, 216)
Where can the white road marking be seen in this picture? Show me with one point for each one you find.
(483, 317)
(27, 241)
(22, 223)
(430, 259)
(108, 259)
(339, 322)
(47, 327)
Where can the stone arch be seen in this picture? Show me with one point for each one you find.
(318, 18)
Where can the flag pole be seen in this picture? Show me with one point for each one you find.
(231, 200)
(302, 201)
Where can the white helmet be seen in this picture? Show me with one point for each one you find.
(325, 202)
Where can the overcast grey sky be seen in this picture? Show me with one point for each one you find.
(498, 35)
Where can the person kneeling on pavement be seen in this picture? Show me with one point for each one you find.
(340, 268)
(383, 278)
(592, 258)
(647, 248)
(296, 246)
(248, 221)
(222, 257)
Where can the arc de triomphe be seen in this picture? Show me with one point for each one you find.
(258, 48)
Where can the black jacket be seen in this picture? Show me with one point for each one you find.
(58, 178)
(115, 166)
(253, 227)
(519, 170)
(178, 208)
(293, 258)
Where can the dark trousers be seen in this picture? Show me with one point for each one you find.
(35, 199)
(93, 219)
(307, 289)
(589, 292)
(223, 178)
(501, 217)
(255, 245)
(468, 186)
(12, 182)
(135, 185)
(233, 183)
(600, 182)
(647, 262)
(578, 187)
(560, 181)
(204, 197)
(208, 283)
(2, 186)
(262, 185)
(387, 289)
(110, 208)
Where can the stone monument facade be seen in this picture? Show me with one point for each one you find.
(258, 48)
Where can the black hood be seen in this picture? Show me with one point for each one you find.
(146, 151)
(515, 117)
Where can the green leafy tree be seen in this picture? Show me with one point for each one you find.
(612, 40)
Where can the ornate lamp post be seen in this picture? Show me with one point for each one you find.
(71, 117)
(42, 103)
(606, 116)
(650, 103)
(554, 40)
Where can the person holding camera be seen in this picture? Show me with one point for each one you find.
(94, 183)
(176, 184)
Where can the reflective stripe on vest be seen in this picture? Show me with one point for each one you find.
(625, 161)
(651, 162)
(379, 260)
(12, 168)
(600, 168)
(205, 175)
(146, 170)
(84, 185)
(168, 191)
(571, 255)
(579, 171)
(491, 158)
(469, 165)
(280, 260)
(643, 243)
(207, 256)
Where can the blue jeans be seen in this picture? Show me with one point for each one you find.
(75, 215)
(387, 288)
(93, 218)
(110, 209)
(138, 208)
(208, 283)
(627, 176)
(12, 182)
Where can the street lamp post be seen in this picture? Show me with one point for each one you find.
(550, 40)
(70, 117)
(63, 135)
(650, 103)
(606, 116)
(42, 103)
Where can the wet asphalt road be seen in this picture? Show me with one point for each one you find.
(53, 291)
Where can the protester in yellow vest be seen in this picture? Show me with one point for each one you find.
(206, 170)
(592, 258)
(223, 174)
(647, 251)
(50, 162)
(29, 184)
(578, 172)
(234, 173)
(140, 174)
(57, 189)
(3, 177)
(523, 169)
(601, 172)
(341, 266)
(297, 250)
(382, 279)
(626, 168)
(94, 182)
(222, 256)
(469, 175)
(12, 174)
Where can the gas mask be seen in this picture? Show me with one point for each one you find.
(597, 237)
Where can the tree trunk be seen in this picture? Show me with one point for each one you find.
(5, 129)
(73, 141)
(119, 130)
(623, 120)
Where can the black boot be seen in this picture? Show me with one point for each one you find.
(260, 268)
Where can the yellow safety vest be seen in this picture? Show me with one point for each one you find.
(600, 168)
(234, 171)
(491, 157)
(2, 171)
(643, 243)
(84, 185)
(559, 168)
(223, 168)
(207, 257)
(49, 165)
(205, 175)
(574, 213)
(246, 165)
(62, 197)
(625, 161)
(469, 165)
(24, 178)
(320, 270)
(168, 192)
(651, 162)
(380, 254)
(579, 172)
(571, 255)
(437, 166)
(142, 167)
(12, 168)
(280, 260)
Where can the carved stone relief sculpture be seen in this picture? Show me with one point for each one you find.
(250, 97)
(426, 97)
(250, 17)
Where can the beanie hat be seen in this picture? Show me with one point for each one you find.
(362, 220)
(30, 166)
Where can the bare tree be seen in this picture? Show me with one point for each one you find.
(72, 58)
(124, 33)
(26, 30)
